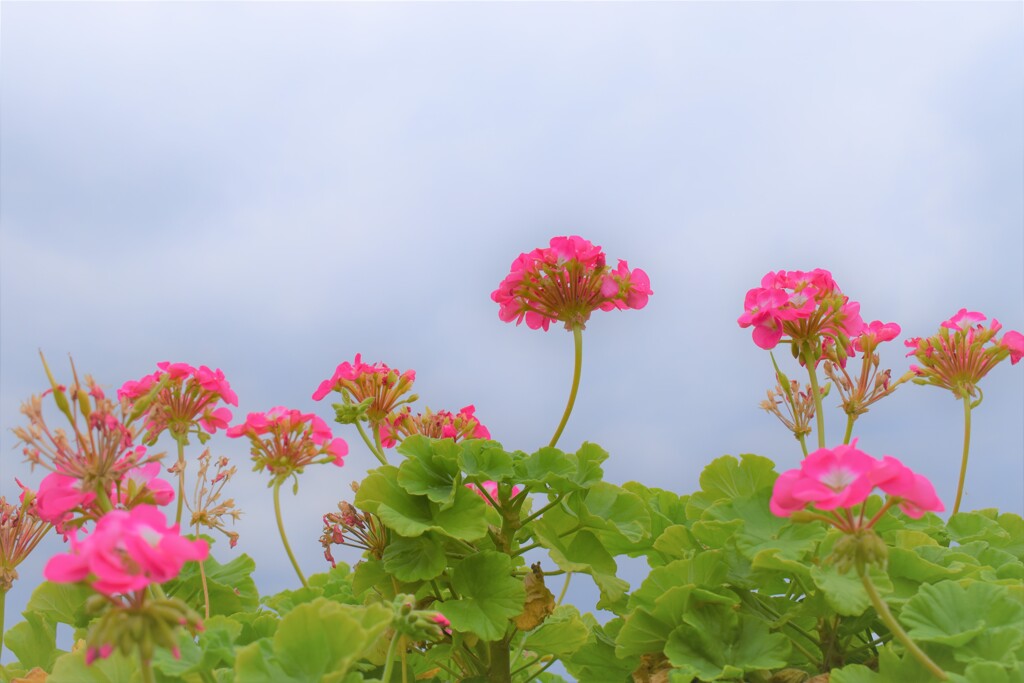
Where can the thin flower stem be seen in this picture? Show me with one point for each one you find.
(850, 419)
(390, 657)
(819, 418)
(577, 338)
(894, 627)
(181, 479)
(967, 447)
(280, 528)
(565, 588)
(544, 509)
(369, 444)
(803, 443)
(145, 669)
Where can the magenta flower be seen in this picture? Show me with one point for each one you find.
(962, 352)
(806, 307)
(286, 441)
(838, 479)
(186, 399)
(439, 425)
(142, 485)
(58, 497)
(382, 386)
(915, 493)
(874, 334)
(565, 283)
(127, 551)
(827, 478)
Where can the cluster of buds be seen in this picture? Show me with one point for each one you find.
(870, 385)
(373, 391)
(835, 481)
(566, 282)
(21, 530)
(418, 624)
(91, 463)
(180, 399)
(808, 309)
(962, 352)
(136, 623)
(285, 441)
(440, 425)
(206, 507)
(799, 405)
(354, 529)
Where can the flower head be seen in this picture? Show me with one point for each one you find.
(181, 399)
(806, 307)
(439, 425)
(286, 441)
(377, 385)
(127, 551)
(21, 530)
(565, 283)
(962, 352)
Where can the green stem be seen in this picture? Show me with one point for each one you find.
(369, 444)
(565, 588)
(389, 662)
(577, 338)
(181, 480)
(540, 512)
(3, 603)
(280, 528)
(803, 443)
(499, 669)
(849, 428)
(894, 626)
(819, 418)
(146, 669)
(967, 448)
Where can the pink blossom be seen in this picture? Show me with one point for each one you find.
(491, 487)
(439, 425)
(874, 334)
(828, 478)
(285, 441)
(186, 400)
(566, 282)
(127, 551)
(1013, 342)
(964, 320)
(142, 484)
(385, 387)
(915, 493)
(58, 496)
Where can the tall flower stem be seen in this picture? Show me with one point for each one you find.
(280, 527)
(967, 448)
(145, 669)
(894, 626)
(378, 453)
(849, 429)
(819, 418)
(577, 338)
(181, 479)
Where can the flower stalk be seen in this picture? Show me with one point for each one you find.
(577, 338)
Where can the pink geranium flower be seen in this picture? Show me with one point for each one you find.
(127, 551)
(915, 493)
(142, 485)
(565, 283)
(357, 382)
(827, 478)
(186, 400)
(439, 425)
(962, 352)
(286, 441)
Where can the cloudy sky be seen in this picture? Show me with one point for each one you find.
(271, 188)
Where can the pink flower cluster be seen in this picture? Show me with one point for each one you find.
(962, 352)
(806, 307)
(566, 282)
(285, 441)
(359, 381)
(127, 551)
(184, 395)
(439, 425)
(844, 476)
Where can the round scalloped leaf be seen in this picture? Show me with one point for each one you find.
(415, 559)
(954, 615)
(488, 595)
(844, 592)
(717, 643)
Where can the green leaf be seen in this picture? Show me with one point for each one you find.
(482, 460)
(231, 585)
(335, 585)
(431, 468)
(596, 660)
(955, 615)
(705, 569)
(561, 634)
(415, 559)
(727, 478)
(718, 643)
(71, 668)
(844, 592)
(33, 641)
(608, 507)
(547, 467)
(467, 518)
(60, 603)
(488, 595)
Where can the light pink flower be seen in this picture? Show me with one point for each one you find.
(566, 282)
(1013, 342)
(964, 320)
(127, 551)
(59, 495)
(359, 381)
(285, 441)
(874, 334)
(142, 485)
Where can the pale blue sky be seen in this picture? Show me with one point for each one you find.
(271, 188)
